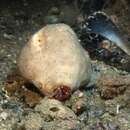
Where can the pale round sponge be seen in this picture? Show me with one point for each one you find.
(53, 57)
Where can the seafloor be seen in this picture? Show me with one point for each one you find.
(91, 109)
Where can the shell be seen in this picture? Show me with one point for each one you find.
(53, 58)
(105, 41)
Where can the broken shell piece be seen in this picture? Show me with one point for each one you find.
(100, 23)
(54, 61)
(105, 41)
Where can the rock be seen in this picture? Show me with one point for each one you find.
(55, 62)
(8, 119)
(61, 125)
(95, 107)
(3, 116)
(78, 102)
(112, 85)
(107, 126)
(54, 109)
(51, 19)
(50, 114)
(33, 122)
(69, 14)
(17, 88)
(83, 117)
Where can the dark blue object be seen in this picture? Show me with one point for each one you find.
(97, 28)
(99, 23)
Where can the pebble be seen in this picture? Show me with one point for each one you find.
(3, 116)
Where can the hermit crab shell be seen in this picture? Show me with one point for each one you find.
(53, 58)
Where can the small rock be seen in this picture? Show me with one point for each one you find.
(102, 126)
(111, 86)
(78, 102)
(51, 114)
(33, 122)
(7, 36)
(83, 117)
(3, 116)
(55, 109)
(51, 19)
(18, 88)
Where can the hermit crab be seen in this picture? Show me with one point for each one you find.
(55, 62)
